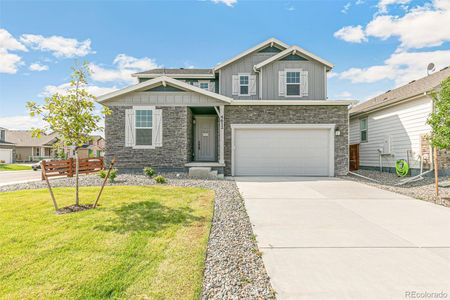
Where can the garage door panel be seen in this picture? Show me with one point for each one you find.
(6, 155)
(283, 152)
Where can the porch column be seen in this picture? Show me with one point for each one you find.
(221, 135)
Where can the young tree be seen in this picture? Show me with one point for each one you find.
(71, 114)
(439, 121)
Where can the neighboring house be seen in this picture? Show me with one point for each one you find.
(28, 148)
(263, 112)
(95, 148)
(392, 126)
(7, 150)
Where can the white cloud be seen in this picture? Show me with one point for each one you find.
(59, 46)
(62, 89)
(359, 2)
(21, 122)
(229, 3)
(402, 67)
(290, 8)
(345, 95)
(8, 42)
(383, 4)
(346, 7)
(124, 66)
(423, 26)
(38, 67)
(9, 63)
(352, 34)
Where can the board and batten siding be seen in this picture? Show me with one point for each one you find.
(164, 98)
(316, 79)
(243, 65)
(403, 123)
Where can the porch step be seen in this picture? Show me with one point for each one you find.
(203, 173)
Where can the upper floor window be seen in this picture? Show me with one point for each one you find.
(243, 85)
(363, 126)
(2, 135)
(293, 83)
(204, 85)
(144, 127)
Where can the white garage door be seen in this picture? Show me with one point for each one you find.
(283, 152)
(5, 156)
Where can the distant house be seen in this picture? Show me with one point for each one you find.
(392, 126)
(95, 148)
(28, 148)
(7, 149)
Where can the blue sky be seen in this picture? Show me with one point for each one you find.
(375, 45)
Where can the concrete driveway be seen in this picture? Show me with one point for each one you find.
(325, 238)
(12, 177)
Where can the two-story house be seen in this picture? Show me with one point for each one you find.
(263, 112)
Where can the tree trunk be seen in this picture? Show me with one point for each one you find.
(436, 171)
(77, 200)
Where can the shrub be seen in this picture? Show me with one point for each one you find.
(160, 179)
(102, 173)
(112, 174)
(149, 172)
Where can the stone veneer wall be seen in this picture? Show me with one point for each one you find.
(190, 135)
(260, 114)
(170, 157)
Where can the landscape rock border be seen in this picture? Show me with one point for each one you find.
(234, 268)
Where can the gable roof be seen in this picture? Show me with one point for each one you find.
(251, 50)
(412, 89)
(180, 73)
(293, 50)
(24, 138)
(158, 81)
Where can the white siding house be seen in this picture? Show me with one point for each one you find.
(396, 124)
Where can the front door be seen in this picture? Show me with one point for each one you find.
(205, 138)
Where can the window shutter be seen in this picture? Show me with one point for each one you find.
(252, 85)
(129, 128)
(157, 127)
(212, 86)
(281, 83)
(235, 85)
(304, 83)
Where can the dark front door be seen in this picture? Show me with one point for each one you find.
(205, 138)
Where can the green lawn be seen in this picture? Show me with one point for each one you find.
(6, 167)
(141, 243)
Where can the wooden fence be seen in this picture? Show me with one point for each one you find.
(67, 167)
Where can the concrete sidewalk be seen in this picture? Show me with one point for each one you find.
(326, 238)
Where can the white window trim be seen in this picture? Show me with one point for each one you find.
(366, 130)
(247, 85)
(286, 84)
(204, 81)
(135, 108)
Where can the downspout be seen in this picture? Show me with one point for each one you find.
(260, 82)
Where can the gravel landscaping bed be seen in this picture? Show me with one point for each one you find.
(234, 268)
(423, 189)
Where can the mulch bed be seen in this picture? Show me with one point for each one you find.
(74, 208)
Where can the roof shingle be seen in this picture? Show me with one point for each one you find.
(411, 89)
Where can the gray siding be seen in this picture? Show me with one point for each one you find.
(316, 79)
(403, 124)
(164, 98)
(243, 65)
(235, 114)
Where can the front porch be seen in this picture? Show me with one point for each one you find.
(205, 141)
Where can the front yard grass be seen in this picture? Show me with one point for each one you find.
(8, 167)
(141, 243)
